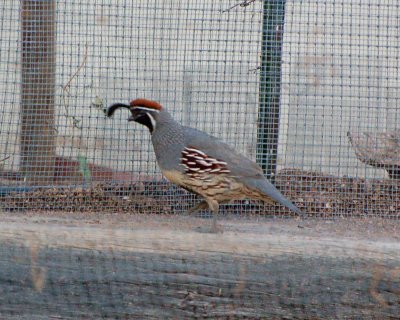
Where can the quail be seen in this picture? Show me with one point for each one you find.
(201, 163)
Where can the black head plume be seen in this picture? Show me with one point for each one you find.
(111, 109)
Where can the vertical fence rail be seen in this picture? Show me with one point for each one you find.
(38, 146)
(270, 80)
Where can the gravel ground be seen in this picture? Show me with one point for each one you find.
(317, 194)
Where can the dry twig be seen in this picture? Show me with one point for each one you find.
(241, 4)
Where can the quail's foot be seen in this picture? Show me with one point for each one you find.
(214, 228)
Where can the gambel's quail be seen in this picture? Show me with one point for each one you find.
(201, 163)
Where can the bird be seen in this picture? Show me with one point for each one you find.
(201, 163)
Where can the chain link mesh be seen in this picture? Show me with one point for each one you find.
(308, 89)
(285, 82)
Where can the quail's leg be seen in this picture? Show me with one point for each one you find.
(214, 206)
(200, 206)
(215, 228)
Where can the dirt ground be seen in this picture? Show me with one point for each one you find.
(343, 228)
(316, 194)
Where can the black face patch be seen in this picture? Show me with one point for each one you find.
(144, 119)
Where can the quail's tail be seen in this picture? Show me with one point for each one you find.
(267, 188)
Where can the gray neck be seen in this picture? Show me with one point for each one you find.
(168, 141)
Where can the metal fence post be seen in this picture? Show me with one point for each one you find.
(270, 85)
(38, 29)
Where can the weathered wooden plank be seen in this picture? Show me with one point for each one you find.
(62, 270)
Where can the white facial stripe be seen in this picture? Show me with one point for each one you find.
(153, 122)
(148, 109)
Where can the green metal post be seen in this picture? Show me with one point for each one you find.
(270, 85)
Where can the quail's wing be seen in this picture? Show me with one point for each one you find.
(213, 148)
(201, 147)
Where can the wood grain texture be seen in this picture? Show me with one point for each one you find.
(64, 268)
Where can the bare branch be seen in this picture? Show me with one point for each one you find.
(241, 4)
(75, 120)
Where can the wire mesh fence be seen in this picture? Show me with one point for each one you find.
(309, 89)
